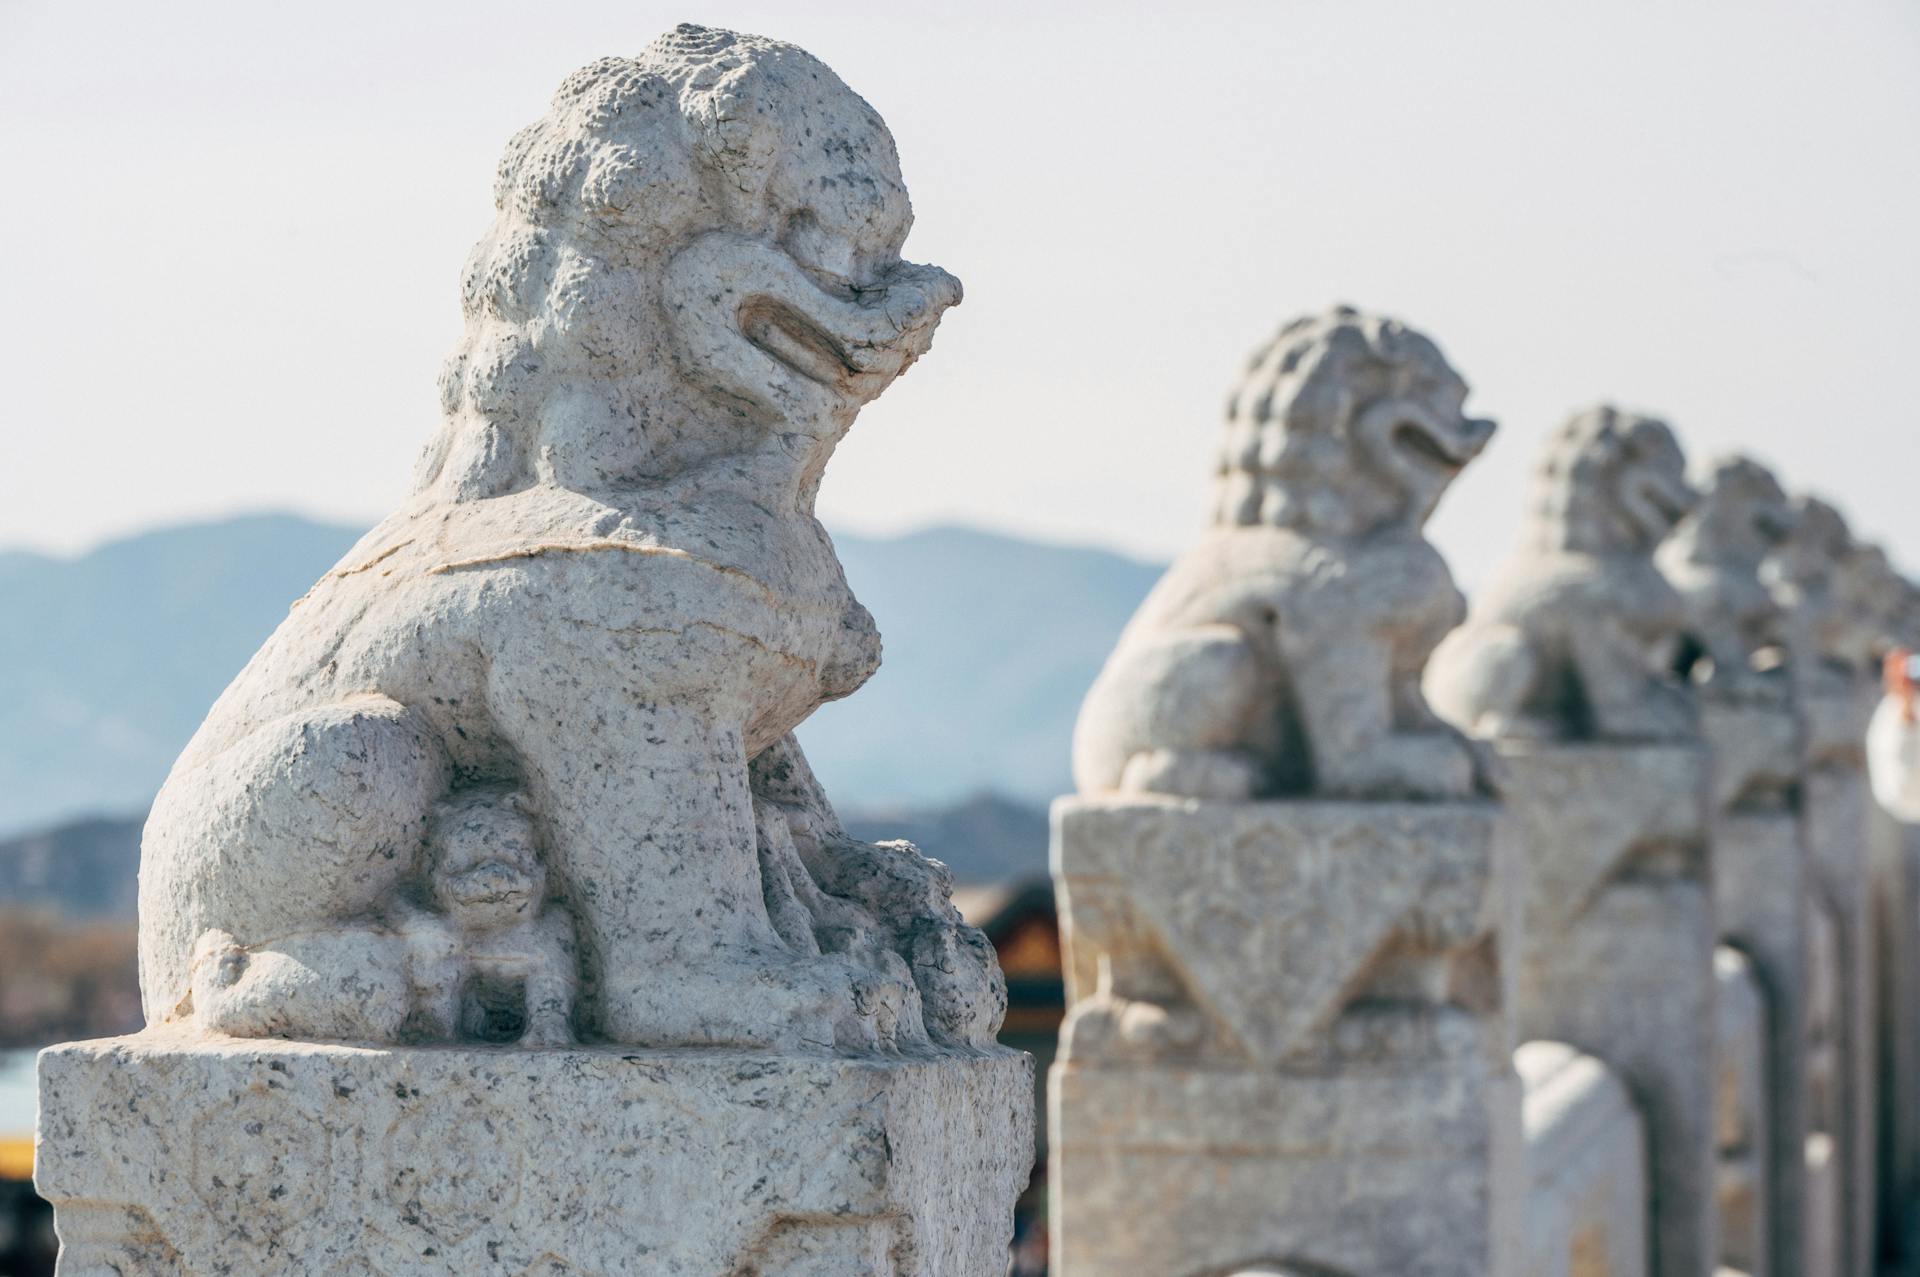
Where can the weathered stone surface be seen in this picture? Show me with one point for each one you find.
(1741, 1126)
(1586, 1167)
(195, 1158)
(1193, 1171)
(1282, 655)
(1351, 1107)
(1616, 951)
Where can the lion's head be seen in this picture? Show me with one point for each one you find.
(1610, 482)
(1803, 574)
(1743, 516)
(696, 255)
(1344, 423)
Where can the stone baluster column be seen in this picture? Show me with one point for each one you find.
(1825, 583)
(493, 925)
(1560, 665)
(1896, 882)
(1733, 653)
(1893, 757)
(1285, 1048)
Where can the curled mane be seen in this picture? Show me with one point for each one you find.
(560, 375)
(1288, 454)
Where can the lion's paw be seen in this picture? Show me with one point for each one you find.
(796, 1003)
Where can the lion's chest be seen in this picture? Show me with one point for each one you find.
(1317, 591)
(687, 623)
(758, 645)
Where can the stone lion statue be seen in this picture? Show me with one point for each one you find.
(1282, 655)
(1574, 638)
(1713, 558)
(607, 595)
(1836, 595)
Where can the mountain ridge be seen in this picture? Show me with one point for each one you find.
(110, 658)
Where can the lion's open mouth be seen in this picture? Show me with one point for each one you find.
(1422, 444)
(791, 337)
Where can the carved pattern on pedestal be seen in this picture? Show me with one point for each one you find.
(448, 1180)
(261, 1167)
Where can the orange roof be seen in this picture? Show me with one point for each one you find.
(16, 1158)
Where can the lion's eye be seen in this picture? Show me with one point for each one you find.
(827, 257)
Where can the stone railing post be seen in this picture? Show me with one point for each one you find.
(1733, 652)
(1826, 585)
(1286, 1048)
(1893, 759)
(1558, 665)
(493, 924)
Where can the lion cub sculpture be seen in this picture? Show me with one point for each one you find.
(1575, 637)
(1282, 655)
(607, 596)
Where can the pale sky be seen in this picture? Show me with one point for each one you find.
(234, 233)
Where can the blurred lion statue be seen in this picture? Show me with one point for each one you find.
(1282, 655)
(1575, 636)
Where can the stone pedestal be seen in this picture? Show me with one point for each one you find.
(1760, 885)
(1586, 1167)
(1285, 1043)
(1741, 1126)
(172, 1158)
(1616, 952)
(1838, 807)
(1896, 844)
(1825, 1231)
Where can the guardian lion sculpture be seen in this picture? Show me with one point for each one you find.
(608, 596)
(1282, 655)
(1574, 637)
(1713, 558)
(1840, 598)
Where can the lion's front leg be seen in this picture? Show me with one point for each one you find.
(1346, 703)
(648, 823)
(648, 818)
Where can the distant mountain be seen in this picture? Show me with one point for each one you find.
(991, 642)
(108, 661)
(984, 839)
(88, 869)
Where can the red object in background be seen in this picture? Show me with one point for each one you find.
(1896, 674)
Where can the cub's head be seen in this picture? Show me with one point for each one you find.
(1344, 423)
(484, 864)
